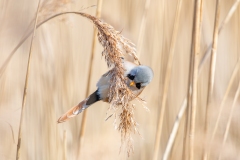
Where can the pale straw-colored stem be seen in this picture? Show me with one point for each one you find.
(167, 80)
(174, 130)
(25, 88)
(196, 44)
(65, 144)
(229, 120)
(185, 153)
(94, 43)
(212, 68)
(142, 28)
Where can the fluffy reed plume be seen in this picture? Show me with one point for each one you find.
(115, 47)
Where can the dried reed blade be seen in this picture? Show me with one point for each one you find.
(6, 62)
(196, 43)
(174, 130)
(25, 87)
(212, 67)
(221, 107)
(167, 80)
(229, 120)
(11, 131)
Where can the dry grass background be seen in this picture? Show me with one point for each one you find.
(58, 77)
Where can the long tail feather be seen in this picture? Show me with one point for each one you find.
(73, 112)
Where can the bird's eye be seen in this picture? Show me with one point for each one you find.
(130, 76)
(138, 85)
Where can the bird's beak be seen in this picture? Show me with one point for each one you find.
(132, 83)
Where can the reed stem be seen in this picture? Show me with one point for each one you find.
(25, 88)
(167, 80)
(212, 69)
(196, 44)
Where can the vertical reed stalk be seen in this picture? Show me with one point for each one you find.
(185, 152)
(84, 116)
(174, 130)
(142, 28)
(167, 80)
(65, 144)
(196, 43)
(188, 115)
(156, 151)
(212, 62)
(25, 88)
(229, 120)
(212, 69)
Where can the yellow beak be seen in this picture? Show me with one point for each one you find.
(132, 83)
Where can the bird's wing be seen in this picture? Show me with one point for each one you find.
(105, 78)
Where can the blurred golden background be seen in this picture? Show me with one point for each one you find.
(59, 74)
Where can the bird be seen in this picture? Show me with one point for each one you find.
(138, 77)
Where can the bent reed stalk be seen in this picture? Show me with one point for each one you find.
(115, 47)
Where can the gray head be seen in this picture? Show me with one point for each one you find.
(141, 76)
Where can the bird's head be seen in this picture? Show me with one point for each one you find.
(141, 76)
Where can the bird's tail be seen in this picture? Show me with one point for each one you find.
(94, 97)
(73, 111)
